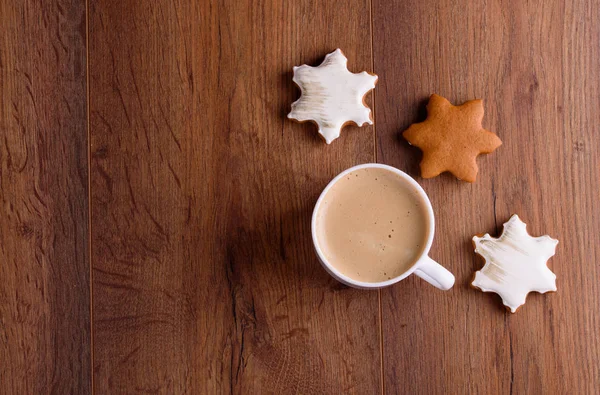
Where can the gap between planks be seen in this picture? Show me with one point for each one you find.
(89, 188)
(381, 359)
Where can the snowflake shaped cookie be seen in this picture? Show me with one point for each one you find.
(451, 138)
(515, 263)
(332, 96)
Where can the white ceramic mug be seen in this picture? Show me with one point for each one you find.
(425, 267)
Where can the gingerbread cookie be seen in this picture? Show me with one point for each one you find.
(332, 96)
(451, 138)
(515, 264)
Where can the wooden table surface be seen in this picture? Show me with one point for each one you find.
(155, 201)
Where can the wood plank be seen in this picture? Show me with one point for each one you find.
(537, 66)
(204, 276)
(44, 264)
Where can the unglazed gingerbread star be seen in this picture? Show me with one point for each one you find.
(515, 263)
(332, 96)
(451, 138)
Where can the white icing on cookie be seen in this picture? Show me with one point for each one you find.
(515, 263)
(332, 95)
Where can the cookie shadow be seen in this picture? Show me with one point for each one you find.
(409, 157)
(291, 93)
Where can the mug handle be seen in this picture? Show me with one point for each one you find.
(435, 274)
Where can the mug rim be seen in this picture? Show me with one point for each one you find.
(363, 284)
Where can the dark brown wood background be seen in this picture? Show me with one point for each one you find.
(155, 202)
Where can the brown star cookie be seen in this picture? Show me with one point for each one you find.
(451, 138)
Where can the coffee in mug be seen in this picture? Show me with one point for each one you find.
(373, 225)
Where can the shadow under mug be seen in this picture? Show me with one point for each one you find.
(424, 267)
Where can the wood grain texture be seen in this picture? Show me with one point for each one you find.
(204, 276)
(537, 65)
(44, 260)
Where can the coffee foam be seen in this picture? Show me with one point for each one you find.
(372, 225)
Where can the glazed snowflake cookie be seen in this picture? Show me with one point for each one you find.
(515, 264)
(332, 96)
